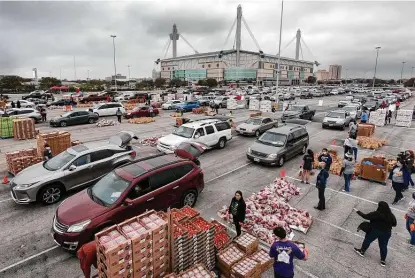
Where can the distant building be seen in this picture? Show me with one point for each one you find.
(119, 77)
(335, 72)
(322, 75)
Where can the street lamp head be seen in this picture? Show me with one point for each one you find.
(377, 47)
(113, 36)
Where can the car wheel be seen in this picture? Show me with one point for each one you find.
(62, 124)
(221, 143)
(96, 114)
(189, 198)
(304, 149)
(50, 194)
(91, 121)
(281, 161)
(257, 133)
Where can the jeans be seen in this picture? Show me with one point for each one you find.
(354, 150)
(410, 221)
(276, 275)
(237, 227)
(347, 179)
(321, 198)
(383, 239)
(347, 149)
(398, 187)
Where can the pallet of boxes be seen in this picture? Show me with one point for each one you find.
(6, 127)
(58, 141)
(24, 129)
(19, 160)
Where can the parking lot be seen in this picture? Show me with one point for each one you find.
(28, 250)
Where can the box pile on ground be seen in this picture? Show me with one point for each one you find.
(246, 268)
(366, 130)
(58, 141)
(19, 160)
(263, 258)
(24, 129)
(370, 142)
(6, 127)
(104, 122)
(143, 120)
(229, 257)
(199, 271)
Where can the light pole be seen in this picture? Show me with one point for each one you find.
(412, 72)
(347, 70)
(403, 64)
(88, 75)
(128, 75)
(115, 66)
(376, 65)
(279, 52)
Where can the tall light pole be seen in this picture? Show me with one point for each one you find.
(347, 70)
(412, 75)
(403, 64)
(115, 66)
(279, 51)
(88, 75)
(128, 75)
(376, 65)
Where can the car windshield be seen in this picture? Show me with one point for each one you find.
(57, 162)
(253, 121)
(337, 115)
(66, 114)
(186, 132)
(295, 108)
(350, 108)
(271, 138)
(108, 189)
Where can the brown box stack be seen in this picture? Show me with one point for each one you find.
(207, 245)
(181, 249)
(247, 243)
(228, 257)
(366, 130)
(263, 258)
(196, 271)
(142, 246)
(114, 254)
(160, 243)
(24, 129)
(178, 215)
(58, 141)
(19, 160)
(246, 268)
(374, 172)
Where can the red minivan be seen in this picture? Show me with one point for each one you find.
(157, 182)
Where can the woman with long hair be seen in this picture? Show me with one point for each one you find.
(237, 209)
(381, 222)
(308, 161)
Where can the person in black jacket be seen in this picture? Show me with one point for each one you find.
(381, 222)
(237, 209)
(326, 158)
(321, 185)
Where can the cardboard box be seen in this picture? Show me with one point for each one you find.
(374, 172)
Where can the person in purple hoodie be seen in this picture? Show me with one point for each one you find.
(283, 251)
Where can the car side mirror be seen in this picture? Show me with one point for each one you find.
(127, 202)
(72, 168)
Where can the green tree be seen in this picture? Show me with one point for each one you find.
(159, 82)
(211, 82)
(201, 82)
(175, 82)
(11, 82)
(311, 80)
(47, 82)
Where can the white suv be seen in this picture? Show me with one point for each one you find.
(210, 132)
(107, 109)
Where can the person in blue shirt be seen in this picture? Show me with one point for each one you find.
(321, 184)
(283, 251)
(365, 117)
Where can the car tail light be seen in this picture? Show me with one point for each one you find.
(133, 154)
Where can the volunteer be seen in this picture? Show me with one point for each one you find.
(47, 153)
(119, 115)
(237, 209)
(87, 255)
(347, 171)
(350, 145)
(308, 161)
(410, 220)
(388, 117)
(365, 117)
(321, 185)
(326, 158)
(400, 180)
(381, 222)
(283, 252)
(353, 130)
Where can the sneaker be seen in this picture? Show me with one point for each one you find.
(302, 181)
(382, 263)
(343, 190)
(307, 182)
(394, 203)
(359, 252)
(401, 199)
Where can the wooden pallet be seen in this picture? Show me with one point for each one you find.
(375, 181)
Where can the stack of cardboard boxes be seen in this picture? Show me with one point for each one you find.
(19, 160)
(58, 141)
(24, 129)
(6, 127)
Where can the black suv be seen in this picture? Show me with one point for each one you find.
(278, 145)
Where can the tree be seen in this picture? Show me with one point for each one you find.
(11, 82)
(311, 80)
(159, 82)
(47, 82)
(211, 82)
(392, 81)
(175, 82)
(201, 82)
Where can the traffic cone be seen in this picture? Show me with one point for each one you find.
(282, 173)
(334, 142)
(5, 179)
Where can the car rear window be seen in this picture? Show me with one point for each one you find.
(222, 126)
(209, 129)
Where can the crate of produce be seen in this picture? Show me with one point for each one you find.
(228, 257)
(247, 243)
(58, 141)
(6, 127)
(221, 240)
(374, 169)
(24, 129)
(218, 226)
(198, 271)
(178, 215)
(366, 129)
(190, 212)
(203, 225)
(246, 268)
(263, 258)
(370, 142)
(142, 120)
(158, 226)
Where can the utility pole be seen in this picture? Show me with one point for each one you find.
(376, 65)
(60, 74)
(346, 74)
(403, 64)
(128, 75)
(279, 52)
(412, 76)
(115, 66)
(238, 34)
(88, 75)
(74, 67)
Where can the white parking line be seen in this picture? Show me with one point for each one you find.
(227, 173)
(27, 259)
(6, 200)
(350, 195)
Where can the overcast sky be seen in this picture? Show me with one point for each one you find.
(47, 35)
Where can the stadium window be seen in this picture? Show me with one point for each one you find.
(209, 66)
(162, 68)
(217, 65)
(203, 66)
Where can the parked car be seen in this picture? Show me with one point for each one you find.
(354, 110)
(298, 112)
(154, 182)
(74, 118)
(186, 106)
(107, 109)
(61, 102)
(23, 103)
(343, 103)
(334, 92)
(221, 101)
(305, 95)
(337, 119)
(92, 98)
(371, 105)
(169, 104)
(204, 101)
(25, 113)
(211, 132)
(143, 111)
(256, 126)
(278, 145)
(34, 94)
(78, 166)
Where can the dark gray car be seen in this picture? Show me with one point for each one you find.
(76, 167)
(256, 126)
(278, 145)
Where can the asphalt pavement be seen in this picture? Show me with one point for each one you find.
(29, 251)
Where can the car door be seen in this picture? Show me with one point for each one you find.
(290, 146)
(79, 176)
(162, 183)
(200, 136)
(73, 118)
(266, 124)
(143, 112)
(83, 117)
(101, 163)
(102, 110)
(211, 135)
(181, 183)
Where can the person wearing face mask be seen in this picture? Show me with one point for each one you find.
(400, 180)
(410, 220)
(321, 185)
(326, 158)
(347, 171)
(237, 209)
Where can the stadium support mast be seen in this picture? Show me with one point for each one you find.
(238, 34)
(298, 44)
(174, 36)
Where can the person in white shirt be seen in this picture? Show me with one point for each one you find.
(350, 145)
